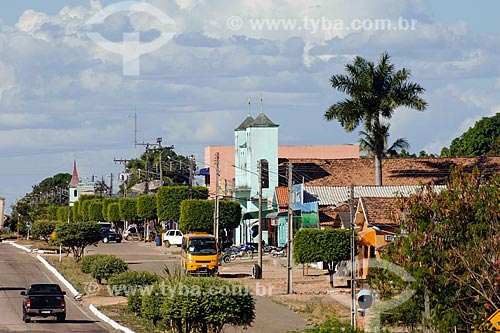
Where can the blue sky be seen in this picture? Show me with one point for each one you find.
(63, 96)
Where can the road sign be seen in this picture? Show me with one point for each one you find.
(492, 324)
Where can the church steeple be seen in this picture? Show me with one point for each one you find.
(74, 178)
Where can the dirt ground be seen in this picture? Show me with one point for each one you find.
(313, 298)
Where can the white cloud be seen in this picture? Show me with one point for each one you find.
(61, 93)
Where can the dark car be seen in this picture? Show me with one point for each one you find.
(109, 235)
(44, 300)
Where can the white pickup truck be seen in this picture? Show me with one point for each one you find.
(172, 237)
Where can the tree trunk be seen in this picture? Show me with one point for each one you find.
(427, 313)
(378, 169)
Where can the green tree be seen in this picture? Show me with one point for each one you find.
(105, 203)
(375, 91)
(42, 229)
(229, 214)
(451, 248)
(329, 245)
(95, 210)
(169, 200)
(483, 139)
(146, 206)
(78, 235)
(198, 215)
(75, 212)
(368, 143)
(128, 209)
(101, 188)
(113, 214)
(62, 214)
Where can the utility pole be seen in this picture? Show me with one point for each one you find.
(191, 174)
(159, 140)
(146, 183)
(111, 186)
(259, 276)
(353, 257)
(289, 233)
(124, 162)
(216, 208)
(135, 130)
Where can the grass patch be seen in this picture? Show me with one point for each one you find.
(314, 310)
(70, 269)
(37, 244)
(120, 314)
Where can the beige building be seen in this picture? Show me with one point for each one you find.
(2, 212)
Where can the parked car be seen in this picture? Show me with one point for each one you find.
(133, 232)
(110, 235)
(44, 300)
(172, 237)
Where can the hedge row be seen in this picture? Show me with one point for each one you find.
(313, 245)
(202, 304)
(102, 266)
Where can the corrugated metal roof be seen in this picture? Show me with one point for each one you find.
(333, 195)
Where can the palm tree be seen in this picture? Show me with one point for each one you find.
(368, 143)
(375, 91)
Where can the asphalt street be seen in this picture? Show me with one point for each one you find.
(17, 270)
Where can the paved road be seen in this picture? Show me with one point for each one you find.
(141, 255)
(17, 270)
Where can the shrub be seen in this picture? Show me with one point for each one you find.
(123, 283)
(87, 262)
(42, 229)
(134, 302)
(107, 265)
(206, 304)
(151, 304)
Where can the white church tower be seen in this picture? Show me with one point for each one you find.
(255, 140)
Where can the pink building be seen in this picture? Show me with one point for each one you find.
(227, 160)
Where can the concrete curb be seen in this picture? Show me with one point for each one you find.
(77, 295)
(61, 278)
(18, 246)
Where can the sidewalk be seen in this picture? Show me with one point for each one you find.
(270, 316)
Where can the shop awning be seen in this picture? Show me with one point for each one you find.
(255, 215)
(368, 237)
(276, 215)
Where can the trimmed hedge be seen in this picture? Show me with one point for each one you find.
(113, 214)
(198, 215)
(203, 304)
(328, 245)
(146, 206)
(128, 209)
(102, 266)
(95, 211)
(169, 198)
(43, 229)
(123, 283)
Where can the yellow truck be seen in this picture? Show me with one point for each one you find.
(199, 253)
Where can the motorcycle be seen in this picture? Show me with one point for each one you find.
(279, 251)
(226, 256)
(243, 250)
